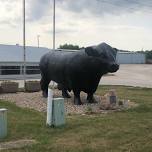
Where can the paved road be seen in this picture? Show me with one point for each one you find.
(131, 75)
(128, 74)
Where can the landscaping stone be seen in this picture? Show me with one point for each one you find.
(32, 86)
(9, 87)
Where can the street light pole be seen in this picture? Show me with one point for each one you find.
(38, 40)
(53, 24)
(24, 44)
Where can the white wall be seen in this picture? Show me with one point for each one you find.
(130, 58)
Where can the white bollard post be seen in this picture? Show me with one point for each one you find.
(58, 112)
(49, 120)
(3, 123)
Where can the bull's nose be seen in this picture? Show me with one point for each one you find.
(117, 66)
(114, 67)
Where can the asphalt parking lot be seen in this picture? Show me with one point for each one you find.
(131, 75)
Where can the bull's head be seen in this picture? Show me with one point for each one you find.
(106, 54)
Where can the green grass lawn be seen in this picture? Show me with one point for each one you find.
(126, 131)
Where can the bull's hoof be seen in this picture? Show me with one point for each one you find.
(77, 101)
(66, 95)
(44, 94)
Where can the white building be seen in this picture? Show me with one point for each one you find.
(11, 59)
(131, 58)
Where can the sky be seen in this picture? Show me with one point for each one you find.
(123, 24)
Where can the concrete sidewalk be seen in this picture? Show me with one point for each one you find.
(131, 75)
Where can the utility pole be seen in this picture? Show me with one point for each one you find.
(50, 102)
(53, 33)
(24, 45)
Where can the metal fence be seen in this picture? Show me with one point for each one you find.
(17, 73)
(18, 70)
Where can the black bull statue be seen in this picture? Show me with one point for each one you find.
(78, 71)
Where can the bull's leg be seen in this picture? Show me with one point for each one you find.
(44, 86)
(65, 93)
(91, 98)
(77, 100)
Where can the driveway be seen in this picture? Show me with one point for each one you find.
(130, 75)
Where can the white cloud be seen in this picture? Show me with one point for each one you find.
(125, 24)
(101, 7)
(37, 9)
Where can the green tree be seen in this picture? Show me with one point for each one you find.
(69, 46)
(149, 54)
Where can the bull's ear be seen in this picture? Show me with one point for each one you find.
(116, 49)
(91, 52)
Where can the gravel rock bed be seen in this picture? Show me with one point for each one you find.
(37, 102)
